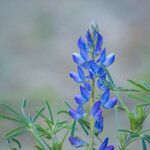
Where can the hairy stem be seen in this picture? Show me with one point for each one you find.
(91, 143)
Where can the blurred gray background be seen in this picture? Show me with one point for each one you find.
(38, 37)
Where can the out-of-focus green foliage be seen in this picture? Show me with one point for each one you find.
(44, 135)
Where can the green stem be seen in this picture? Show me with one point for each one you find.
(117, 120)
(65, 137)
(122, 103)
(38, 139)
(91, 143)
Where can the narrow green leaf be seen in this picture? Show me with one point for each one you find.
(63, 112)
(9, 118)
(15, 131)
(83, 127)
(147, 138)
(49, 122)
(138, 85)
(121, 89)
(50, 112)
(68, 105)
(128, 131)
(12, 111)
(73, 127)
(13, 140)
(38, 114)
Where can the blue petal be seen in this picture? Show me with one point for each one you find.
(75, 77)
(99, 126)
(102, 57)
(104, 144)
(80, 110)
(85, 93)
(74, 114)
(80, 100)
(81, 44)
(105, 97)
(75, 141)
(81, 73)
(77, 58)
(91, 74)
(93, 66)
(87, 86)
(111, 147)
(110, 103)
(83, 48)
(89, 38)
(99, 41)
(100, 85)
(100, 71)
(93, 69)
(109, 60)
(80, 77)
(95, 108)
(98, 116)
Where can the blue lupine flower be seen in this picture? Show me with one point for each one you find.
(100, 83)
(78, 77)
(77, 114)
(80, 100)
(104, 145)
(99, 41)
(89, 38)
(94, 69)
(77, 142)
(104, 99)
(83, 48)
(85, 93)
(91, 62)
(108, 102)
(87, 86)
(102, 57)
(109, 60)
(78, 59)
(97, 114)
(99, 121)
(95, 108)
(105, 102)
(106, 60)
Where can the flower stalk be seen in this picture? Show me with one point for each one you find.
(91, 143)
